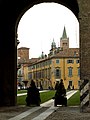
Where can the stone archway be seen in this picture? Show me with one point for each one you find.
(11, 12)
(73, 6)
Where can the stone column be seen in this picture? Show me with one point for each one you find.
(84, 20)
(8, 56)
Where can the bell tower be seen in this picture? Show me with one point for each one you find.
(23, 53)
(64, 41)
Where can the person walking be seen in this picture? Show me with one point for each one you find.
(60, 95)
(33, 95)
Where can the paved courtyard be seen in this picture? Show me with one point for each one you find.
(45, 111)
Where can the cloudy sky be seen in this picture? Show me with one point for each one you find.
(44, 22)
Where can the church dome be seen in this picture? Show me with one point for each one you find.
(53, 45)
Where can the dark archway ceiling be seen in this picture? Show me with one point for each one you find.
(11, 11)
(23, 5)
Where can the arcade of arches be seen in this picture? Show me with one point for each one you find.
(10, 15)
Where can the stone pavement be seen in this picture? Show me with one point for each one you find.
(45, 111)
(62, 113)
(69, 113)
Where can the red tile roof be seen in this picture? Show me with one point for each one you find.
(71, 52)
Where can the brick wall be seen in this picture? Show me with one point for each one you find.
(23, 53)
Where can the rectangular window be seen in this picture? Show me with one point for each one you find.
(58, 73)
(42, 73)
(29, 76)
(57, 61)
(77, 61)
(78, 71)
(70, 71)
(43, 64)
(30, 68)
(38, 65)
(38, 74)
(33, 67)
(48, 73)
(70, 61)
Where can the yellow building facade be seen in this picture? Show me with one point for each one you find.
(47, 72)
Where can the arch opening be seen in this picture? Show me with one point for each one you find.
(9, 24)
(68, 35)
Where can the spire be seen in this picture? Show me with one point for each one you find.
(64, 33)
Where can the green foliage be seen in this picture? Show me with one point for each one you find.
(74, 100)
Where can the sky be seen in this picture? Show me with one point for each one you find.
(44, 22)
